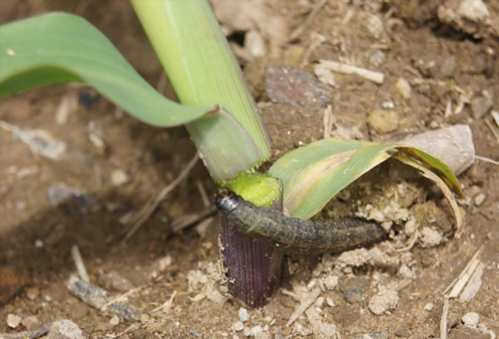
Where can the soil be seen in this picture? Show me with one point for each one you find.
(443, 63)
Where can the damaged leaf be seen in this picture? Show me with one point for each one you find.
(313, 174)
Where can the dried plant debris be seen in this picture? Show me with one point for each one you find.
(101, 299)
(310, 304)
(40, 142)
(208, 282)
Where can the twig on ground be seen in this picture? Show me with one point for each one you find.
(202, 193)
(147, 210)
(337, 67)
(457, 285)
(298, 31)
(80, 265)
(315, 41)
(166, 306)
(131, 328)
(443, 319)
(485, 159)
(328, 121)
(305, 304)
(99, 298)
(38, 333)
(492, 129)
(188, 220)
(410, 244)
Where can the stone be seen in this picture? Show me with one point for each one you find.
(386, 300)
(403, 332)
(243, 314)
(373, 335)
(481, 105)
(406, 273)
(479, 199)
(429, 307)
(255, 44)
(65, 329)
(375, 26)
(383, 121)
(430, 237)
(330, 282)
(31, 323)
(119, 177)
(471, 319)
(13, 320)
(404, 88)
(114, 321)
(32, 293)
(354, 289)
(293, 86)
(237, 326)
(114, 281)
(473, 10)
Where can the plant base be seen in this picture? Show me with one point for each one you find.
(253, 265)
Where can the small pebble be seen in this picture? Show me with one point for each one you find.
(474, 10)
(375, 26)
(403, 332)
(114, 281)
(384, 301)
(430, 237)
(13, 320)
(479, 199)
(354, 289)
(114, 321)
(495, 116)
(32, 293)
(119, 177)
(383, 121)
(31, 323)
(330, 302)
(164, 263)
(376, 58)
(65, 329)
(237, 326)
(388, 104)
(406, 273)
(373, 335)
(471, 319)
(480, 106)
(255, 44)
(293, 86)
(428, 307)
(404, 88)
(243, 314)
(253, 331)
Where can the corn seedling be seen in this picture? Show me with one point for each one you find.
(222, 120)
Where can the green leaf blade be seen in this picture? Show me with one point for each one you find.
(58, 48)
(313, 174)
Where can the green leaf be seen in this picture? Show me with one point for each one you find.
(313, 174)
(58, 48)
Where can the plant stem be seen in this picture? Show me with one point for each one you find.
(203, 71)
(253, 264)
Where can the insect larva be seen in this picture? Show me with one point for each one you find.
(342, 235)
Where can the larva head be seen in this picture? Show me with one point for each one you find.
(227, 201)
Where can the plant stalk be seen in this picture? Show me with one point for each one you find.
(203, 71)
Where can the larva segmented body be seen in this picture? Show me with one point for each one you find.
(342, 235)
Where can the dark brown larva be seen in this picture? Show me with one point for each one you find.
(342, 235)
